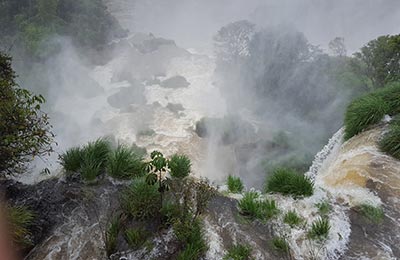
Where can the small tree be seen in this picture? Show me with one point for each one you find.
(25, 131)
(157, 171)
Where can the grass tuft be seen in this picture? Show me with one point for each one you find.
(252, 207)
(373, 214)
(71, 160)
(111, 235)
(390, 142)
(140, 200)
(238, 252)
(20, 219)
(192, 236)
(364, 112)
(292, 219)
(180, 166)
(235, 185)
(280, 245)
(135, 237)
(288, 182)
(320, 229)
(391, 95)
(123, 163)
(323, 208)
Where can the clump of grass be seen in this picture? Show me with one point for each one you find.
(20, 219)
(252, 207)
(71, 160)
(364, 112)
(288, 182)
(235, 184)
(238, 252)
(191, 234)
(135, 237)
(292, 219)
(140, 200)
(323, 208)
(320, 229)
(111, 235)
(170, 212)
(280, 245)
(90, 167)
(391, 95)
(390, 142)
(89, 161)
(180, 166)
(248, 204)
(373, 214)
(98, 150)
(123, 163)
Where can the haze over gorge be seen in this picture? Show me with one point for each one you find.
(188, 129)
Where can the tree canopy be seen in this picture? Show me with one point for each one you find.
(379, 60)
(25, 131)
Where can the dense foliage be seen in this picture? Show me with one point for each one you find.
(370, 109)
(30, 25)
(363, 112)
(25, 129)
(379, 60)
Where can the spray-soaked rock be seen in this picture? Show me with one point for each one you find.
(175, 82)
(126, 96)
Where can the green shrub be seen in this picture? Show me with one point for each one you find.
(124, 163)
(280, 244)
(140, 200)
(373, 214)
(111, 235)
(364, 112)
(288, 182)
(20, 219)
(135, 237)
(235, 185)
(180, 166)
(238, 252)
(390, 142)
(320, 228)
(252, 207)
(292, 218)
(190, 233)
(323, 208)
(71, 160)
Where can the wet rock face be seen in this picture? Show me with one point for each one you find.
(69, 216)
(127, 96)
(175, 82)
(229, 227)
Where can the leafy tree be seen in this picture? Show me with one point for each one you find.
(337, 47)
(25, 129)
(379, 60)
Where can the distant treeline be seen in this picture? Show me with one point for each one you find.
(27, 26)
